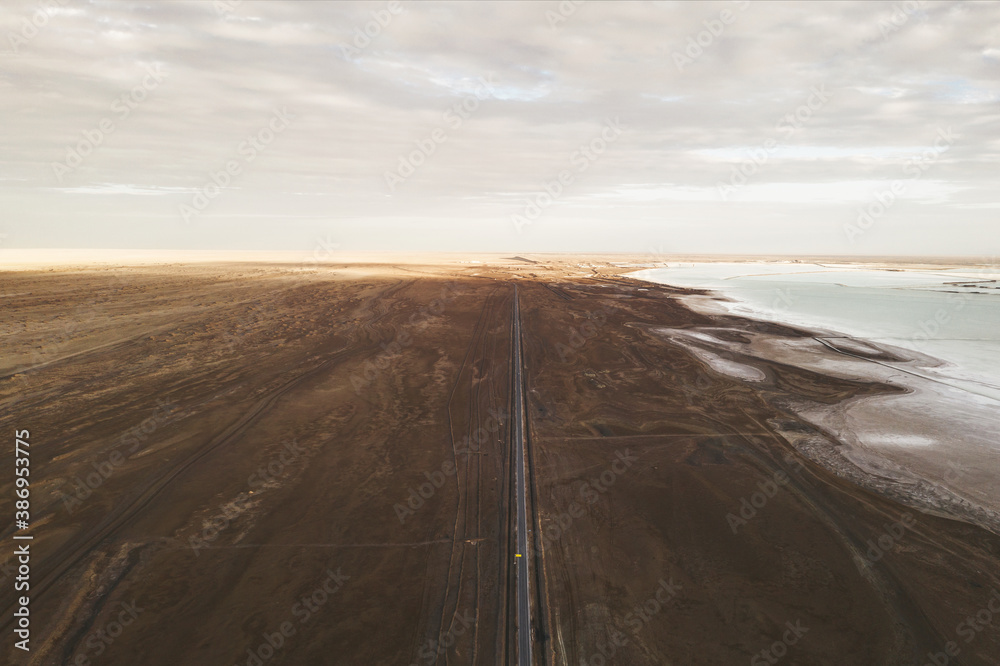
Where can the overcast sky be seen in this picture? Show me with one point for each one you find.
(651, 127)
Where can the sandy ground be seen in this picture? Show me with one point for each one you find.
(309, 463)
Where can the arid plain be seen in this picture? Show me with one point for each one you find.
(270, 463)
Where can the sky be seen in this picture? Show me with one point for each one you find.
(862, 128)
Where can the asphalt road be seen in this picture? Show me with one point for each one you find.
(523, 605)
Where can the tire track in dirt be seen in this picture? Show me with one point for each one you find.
(461, 500)
(56, 566)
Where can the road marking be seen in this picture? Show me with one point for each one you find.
(523, 599)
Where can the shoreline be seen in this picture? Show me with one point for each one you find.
(929, 459)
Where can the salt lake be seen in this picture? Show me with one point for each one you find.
(951, 314)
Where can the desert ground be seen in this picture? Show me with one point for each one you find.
(311, 463)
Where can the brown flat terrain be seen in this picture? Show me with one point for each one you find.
(221, 453)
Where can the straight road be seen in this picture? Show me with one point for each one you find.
(521, 560)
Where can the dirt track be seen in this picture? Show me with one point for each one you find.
(361, 387)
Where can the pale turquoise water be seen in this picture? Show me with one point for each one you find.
(912, 309)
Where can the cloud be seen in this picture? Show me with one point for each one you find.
(121, 188)
(373, 92)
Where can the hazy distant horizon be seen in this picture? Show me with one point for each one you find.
(56, 256)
